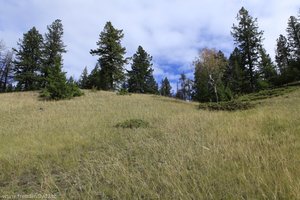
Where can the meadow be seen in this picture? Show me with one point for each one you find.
(73, 149)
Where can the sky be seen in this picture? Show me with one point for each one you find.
(171, 31)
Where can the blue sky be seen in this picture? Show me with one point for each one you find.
(172, 31)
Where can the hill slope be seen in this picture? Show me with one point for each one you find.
(72, 149)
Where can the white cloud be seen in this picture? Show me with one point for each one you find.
(172, 31)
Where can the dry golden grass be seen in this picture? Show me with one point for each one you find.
(73, 150)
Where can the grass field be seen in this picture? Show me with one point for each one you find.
(74, 150)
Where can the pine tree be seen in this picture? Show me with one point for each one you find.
(56, 85)
(293, 35)
(73, 87)
(165, 89)
(249, 41)
(93, 80)
(28, 60)
(140, 77)
(54, 47)
(83, 81)
(111, 57)
(234, 74)
(151, 85)
(266, 69)
(282, 54)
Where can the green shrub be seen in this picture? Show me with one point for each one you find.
(227, 106)
(58, 87)
(45, 94)
(225, 94)
(60, 91)
(123, 92)
(133, 123)
(74, 90)
(263, 85)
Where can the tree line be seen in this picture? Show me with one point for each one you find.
(249, 68)
(37, 65)
(109, 72)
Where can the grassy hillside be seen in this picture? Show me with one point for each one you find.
(74, 150)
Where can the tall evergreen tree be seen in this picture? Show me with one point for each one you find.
(140, 77)
(56, 85)
(267, 69)
(111, 57)
(282, 54)
(293, 35)
(288, 52)
(165, 88)
(54, 47)
(249, 41)
(234, 74)
(28, 60)
(83, 81)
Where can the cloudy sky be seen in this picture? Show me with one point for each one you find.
(172, 31)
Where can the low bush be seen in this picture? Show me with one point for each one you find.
(133, 123)
(227, 106)
(123, 92)
(68, 91)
